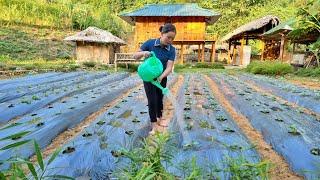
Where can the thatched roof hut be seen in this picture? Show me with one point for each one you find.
(240, 36)
(253, 29)
(94, 44)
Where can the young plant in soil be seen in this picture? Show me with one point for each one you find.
(315, 151)
(278, 119)
(129, 132)
(25, 101)
(189, 126)
(115, 123)
(293, 130)
(68, 150)
(101, 122)
(205, 124)
(135, 120)
(34, 120)
(228, 130)
(221, 118)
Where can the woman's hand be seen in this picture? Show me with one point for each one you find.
(140, 54)
(146, 54)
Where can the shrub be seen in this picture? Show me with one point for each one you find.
(308, 72)
(89, 64)
(269, 68)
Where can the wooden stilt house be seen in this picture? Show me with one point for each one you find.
(190, 21)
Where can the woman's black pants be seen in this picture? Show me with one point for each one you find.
(155, 99)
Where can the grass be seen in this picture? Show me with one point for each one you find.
(197, 67)
(146, 160)
(310, 72)
(274, 68)
(38, 64)
(26, 43)
(269, 68)
(240, 168)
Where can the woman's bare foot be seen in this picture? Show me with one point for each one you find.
(154, 128)
(163, 122)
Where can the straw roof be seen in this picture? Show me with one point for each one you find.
(252, 26)
(94, 34)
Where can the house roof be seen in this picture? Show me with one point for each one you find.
(94, 34)
(283, 28)
(252, 26)
(171, 10)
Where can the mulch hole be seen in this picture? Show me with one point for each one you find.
(68, 150)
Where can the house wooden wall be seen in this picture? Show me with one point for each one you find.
(96, 52)
(188, 28)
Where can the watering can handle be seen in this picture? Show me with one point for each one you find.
(152, 54)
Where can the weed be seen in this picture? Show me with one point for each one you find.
(240, 168)
(115, 123)
(146, 160)
(205, 124)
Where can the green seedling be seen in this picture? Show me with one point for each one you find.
(221, 118)
(126, 114)
(25, 101)
(205, 124)
(189, 126)
(129, 132)
(115, 124)
(265, 111)
(34, 120)
(135, 120)
(278, 119)
(101, 122)
(315, 151)
(68, 150)
(293, 130)
(110, 113)
(228, 130)
(40, 124)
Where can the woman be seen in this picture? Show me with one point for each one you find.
(163, 49)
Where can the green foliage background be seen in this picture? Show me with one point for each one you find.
(79, 14)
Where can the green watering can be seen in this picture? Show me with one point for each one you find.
(150, 69)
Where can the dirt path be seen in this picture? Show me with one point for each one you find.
(281, 169)
(306, 84)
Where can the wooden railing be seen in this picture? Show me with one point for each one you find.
(125, 58)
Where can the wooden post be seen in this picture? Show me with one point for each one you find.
(181, 55)
(202, 53)
(199, 53)
(213, 51)
(262, 52)
(241, 51)
(282, 47)
(234, 54)
(115, 62)
(229, 53)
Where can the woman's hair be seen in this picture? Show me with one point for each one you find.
(168, 27)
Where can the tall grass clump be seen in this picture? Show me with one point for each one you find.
(269, 68)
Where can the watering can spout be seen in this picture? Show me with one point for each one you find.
(165, 91)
